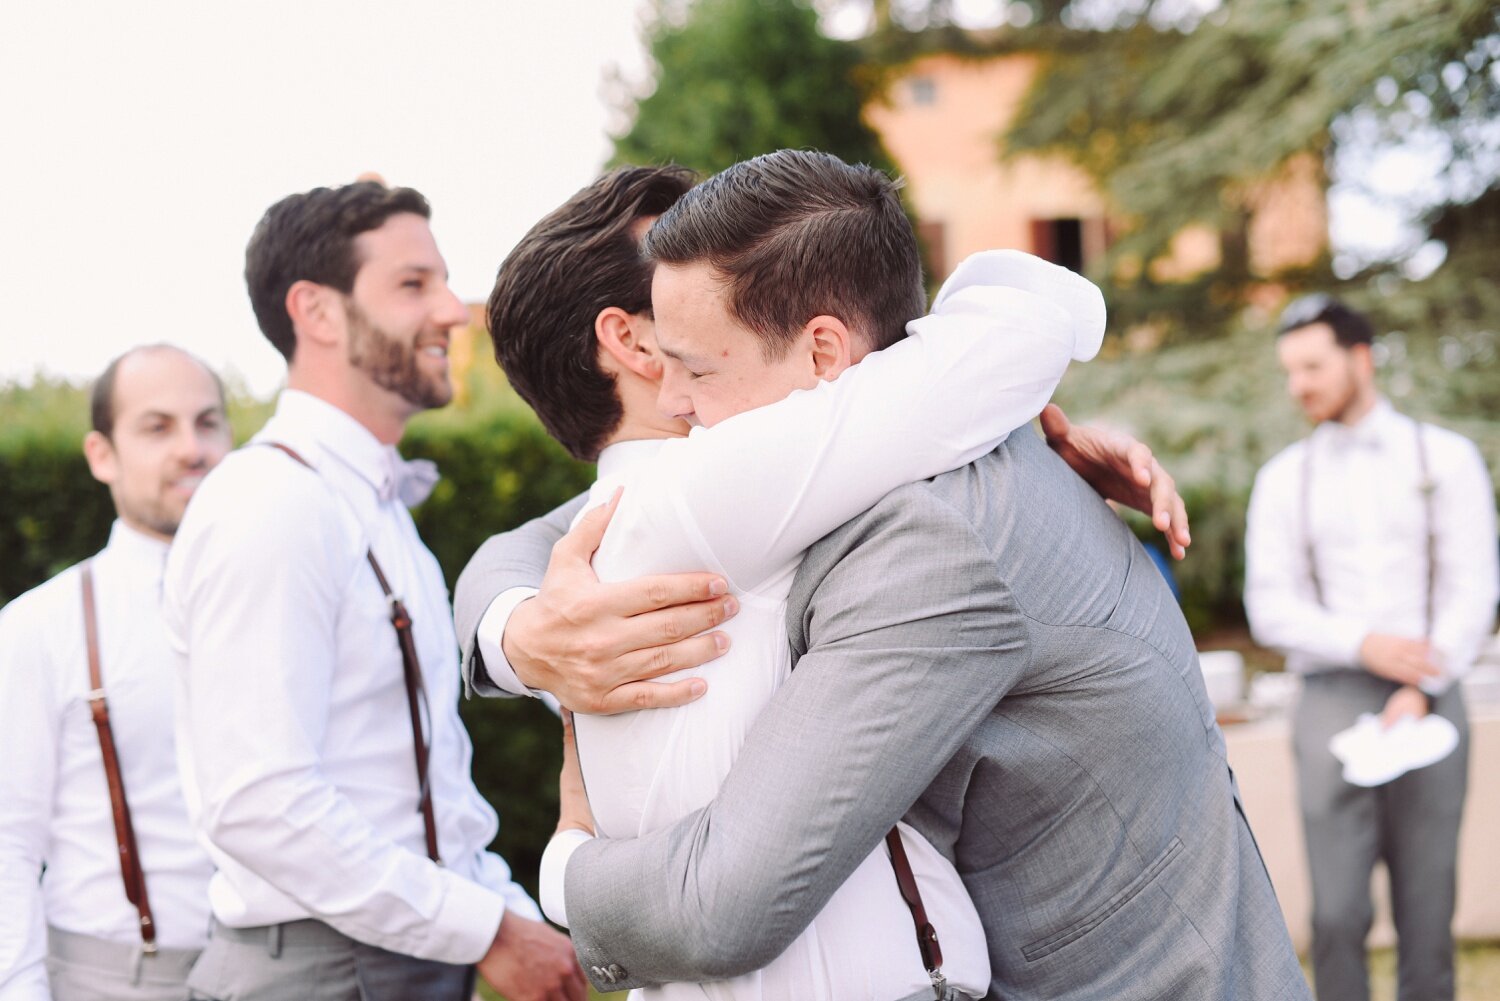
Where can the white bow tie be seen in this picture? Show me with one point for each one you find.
(410, 480)
(1355, 437)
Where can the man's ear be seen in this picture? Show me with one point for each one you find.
(625, 339)
(316, 312)
(1364, 359)
(100, 453)
(832, 346)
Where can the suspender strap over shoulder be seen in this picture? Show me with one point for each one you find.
(927, 940)
(411, 666)
(130, 856)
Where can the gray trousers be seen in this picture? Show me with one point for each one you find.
(1411, 823)
(309, 961)
(84, 968)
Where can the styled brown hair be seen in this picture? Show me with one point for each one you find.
(311, 236)
(797, 234)
(581, 259)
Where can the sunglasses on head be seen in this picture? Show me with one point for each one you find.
(1305, 311)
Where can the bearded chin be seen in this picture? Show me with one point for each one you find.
(392, 365)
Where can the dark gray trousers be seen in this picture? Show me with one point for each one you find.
(309, 961)
(1411, 823)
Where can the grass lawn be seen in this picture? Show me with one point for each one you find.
(1478, 975)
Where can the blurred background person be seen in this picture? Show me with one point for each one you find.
(71, 841)
(1371, 563)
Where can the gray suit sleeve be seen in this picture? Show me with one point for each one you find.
(517, 558)
(913, 640)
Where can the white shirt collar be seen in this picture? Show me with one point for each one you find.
(138, 548)
(304, 418)
(1370, 431)
(617, 459)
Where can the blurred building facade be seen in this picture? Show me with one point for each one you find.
(942, 119)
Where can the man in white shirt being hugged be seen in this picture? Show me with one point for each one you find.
(101, 821)
(323, 758)
(1371, 562)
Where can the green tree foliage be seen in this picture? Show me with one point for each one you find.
(1180, 114)
(1177, 121)
(737, 78)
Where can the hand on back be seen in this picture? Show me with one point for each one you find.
(596, 646)
(1121, 469)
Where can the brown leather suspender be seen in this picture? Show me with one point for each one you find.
(130, 856)
(416, 692)
(927, 940)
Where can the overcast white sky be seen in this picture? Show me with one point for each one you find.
(142, 141)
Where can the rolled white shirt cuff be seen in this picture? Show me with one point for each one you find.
(466, 923)
(491, 634)
(554, 872)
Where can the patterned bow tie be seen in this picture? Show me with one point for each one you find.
(410, 480)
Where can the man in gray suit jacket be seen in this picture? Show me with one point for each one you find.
(991, 655)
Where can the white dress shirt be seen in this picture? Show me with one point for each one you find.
(56, 807)
(294, 732)
(1368, 526)
(745, 499)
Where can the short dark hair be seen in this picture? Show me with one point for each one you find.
(311, 236)
(1350, 327)
(102, 396)
(581, 259)
(797, 234)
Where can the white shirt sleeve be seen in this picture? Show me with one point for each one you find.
(754, 491)
(1467, 579)
(490, 634)
(1280, 600)
(29, 733)
(264, 593)
(554, 869)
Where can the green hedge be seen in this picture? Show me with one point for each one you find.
(498, 470)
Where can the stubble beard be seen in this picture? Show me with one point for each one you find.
(392, 364)
(156, 515)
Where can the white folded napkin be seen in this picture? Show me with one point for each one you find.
(1373, 755)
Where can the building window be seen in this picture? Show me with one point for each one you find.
(923, 91)
(1059, 241)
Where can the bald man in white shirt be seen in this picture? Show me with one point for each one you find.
(1371, 563)
(68, 931)
(323, 757)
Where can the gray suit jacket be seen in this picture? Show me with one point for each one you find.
(992, 655)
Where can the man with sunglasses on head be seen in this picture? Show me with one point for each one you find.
(1371, 563)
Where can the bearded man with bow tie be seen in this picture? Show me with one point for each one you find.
(324, 763)
(1371, 563)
